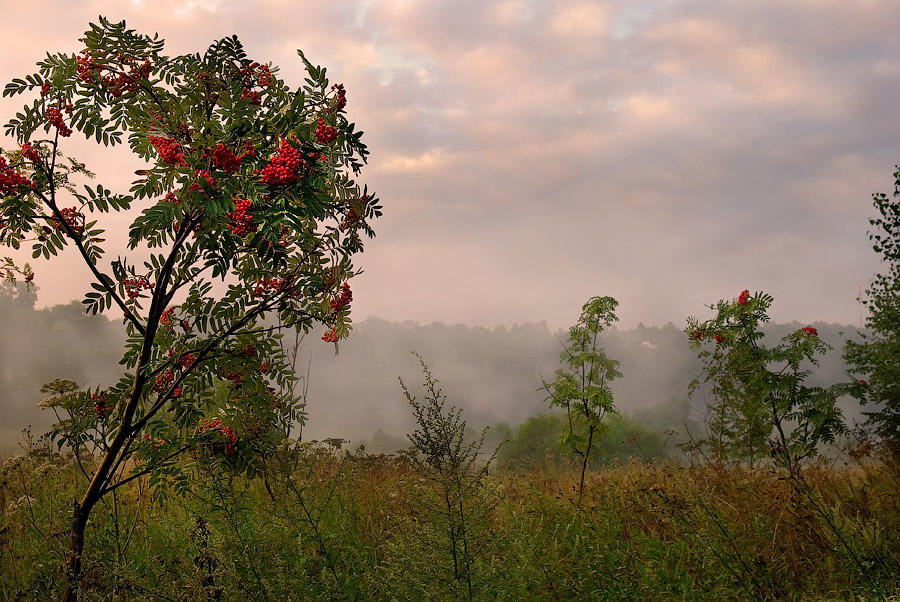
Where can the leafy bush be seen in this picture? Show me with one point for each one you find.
(443, 450)
(762, 406)
(875, 361)
(545, 438)
(583, 386)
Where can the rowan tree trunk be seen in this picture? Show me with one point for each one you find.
(76, 547)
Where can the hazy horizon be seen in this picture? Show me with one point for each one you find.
(493, 374)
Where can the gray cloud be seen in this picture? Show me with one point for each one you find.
(531, 154)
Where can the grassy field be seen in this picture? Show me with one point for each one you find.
(319, 524)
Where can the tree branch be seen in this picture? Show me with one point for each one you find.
(101, 278)
(138, 475)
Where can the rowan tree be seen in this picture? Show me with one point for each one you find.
(247, 219)
(761, 405)
(583, 387)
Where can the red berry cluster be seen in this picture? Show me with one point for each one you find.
(73, 218)
(331, 336)
(55, 118)
(744, 297)
(101, 403)
(719, 338)
(697, 335)
(274, 401)
(204, 175)
(186, 325)
(89, 70)
(324, 133)
(809, 331)
(11, 180)
(236, 379)
(45, 88)
(252, 70)
(255, 74)
(169, 150)
(172, 197)
(343, 299)
(215, 425)
(163, 381)
(30, 153)
(127, 82)
(350, 220)
(134, 286)
(225, 159)
(187, 360)
(263, 75)
(117, 84)
(29, 276)
(268, 285)
(264, 367)
(341, 100)
(284, 167)
(248, 350)
(254, 96)
(241, 219)
(87, 66)
(166, 317)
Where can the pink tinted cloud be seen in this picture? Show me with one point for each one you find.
(531, 154)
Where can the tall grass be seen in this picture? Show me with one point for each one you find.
(329, 525)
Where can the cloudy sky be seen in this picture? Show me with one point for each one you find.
(532, 154)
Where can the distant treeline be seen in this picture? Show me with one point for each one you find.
(493, 374)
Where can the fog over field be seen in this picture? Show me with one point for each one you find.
(493, 374)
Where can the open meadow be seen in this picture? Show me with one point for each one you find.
(325, 524)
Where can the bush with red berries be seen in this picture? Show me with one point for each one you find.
(248, 181)
(761, 405)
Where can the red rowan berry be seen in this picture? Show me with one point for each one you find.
(72, 218)
(163, 381)
(225, 159)
(135, 286)
(11, 181)
(30, 153)
(341, 100)
(55, 118)
(325, 133)
(241, 219)
(343, 298)
(169, 151)
(284, 167)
